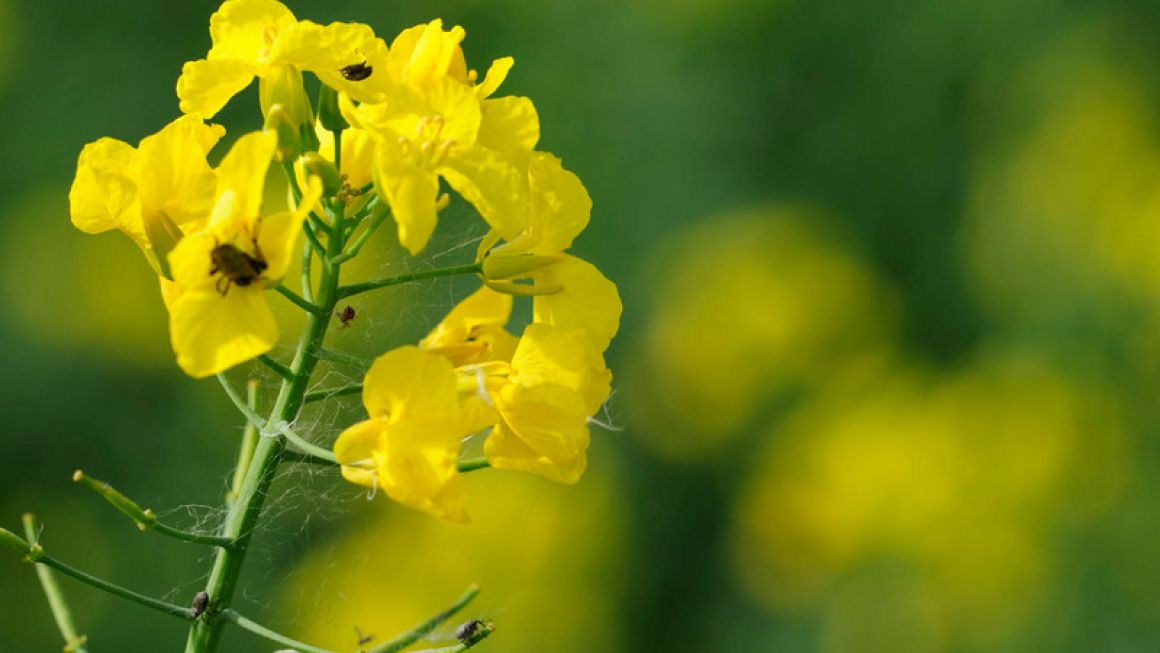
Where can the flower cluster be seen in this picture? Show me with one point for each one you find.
(390, 122)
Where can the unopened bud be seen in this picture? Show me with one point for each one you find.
(14, 542)
(328, 112)
(289, 140)
(523, 289)
(284, 86)
(498, 265)
(312, 163)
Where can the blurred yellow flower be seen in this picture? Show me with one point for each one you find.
(963, 480)
(747, 307)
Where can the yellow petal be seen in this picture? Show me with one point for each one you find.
(327, 50)
(191, 262)
(425, 54)
(205, 86)
(407, 383)
(560, 205)
(355, 449)
(544, 431)
(473, 332)
(588, 300)
(212, 332)
(241, 178)
(567, 357)
(104, 193)
(411, 193)
(495, 75)
(492, 184)
(277, 242)
(417, 462)
(510, 126)
(247, 29)
(175, 178)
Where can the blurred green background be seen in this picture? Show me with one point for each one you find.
(887, 373)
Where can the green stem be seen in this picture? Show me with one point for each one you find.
(379, 213)
(278, 368)
(145, 519)
(243, 514)
(263, 426)
(355, 289)
(298, 301)
(249, 442)
(307, 260)
(262, 631)
(34, 553)
(312, 237)
(418, 632)
(320, 395)
(73, 643)
(345, 359)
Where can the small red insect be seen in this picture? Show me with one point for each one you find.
(345, 316)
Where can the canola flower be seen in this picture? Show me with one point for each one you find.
(389, 122)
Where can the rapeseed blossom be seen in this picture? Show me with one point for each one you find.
(218, 311)
(392, 121)
(151, 193)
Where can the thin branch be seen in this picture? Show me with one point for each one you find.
(321, 395)
(345, 359)
(355, 289)
(307, 261)
(146, 519)
(262, 631)
(312, 237)
(248, 444)
(379, 213)
(418, 632)
(73, 643)
(284, 431)
(298, 301)
(278, 368)
(34, 553)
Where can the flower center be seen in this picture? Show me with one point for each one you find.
(235, 266)
(427, 148)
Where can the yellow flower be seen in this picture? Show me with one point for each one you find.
(151, 192)
(218, 313)
(568, 291)
(409, 446)
(433, 123)
(425, 55)
(537, 397)
(555, 382)
(261, 37)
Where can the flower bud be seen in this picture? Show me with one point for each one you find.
(284, 86)
(312, 163)
(279, 121)
(523, 289)
(13, 541)
(328, 112)
(498, 265)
